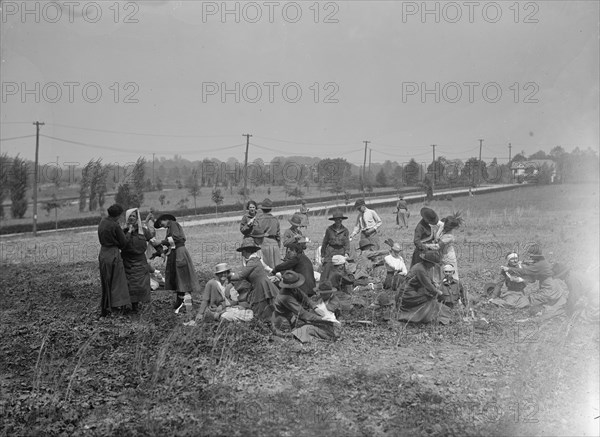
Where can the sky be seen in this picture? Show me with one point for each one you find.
(119, 80)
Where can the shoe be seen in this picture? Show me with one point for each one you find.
(178, 304)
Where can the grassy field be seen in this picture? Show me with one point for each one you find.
(64, 371)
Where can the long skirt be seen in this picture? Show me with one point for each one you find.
(112, 277)
(511, 299)
(330, 251)
(417, 306)
(180, 275)
(393, 282)
(552, 299)
(271, 252)
(138, 277)
(402, 217)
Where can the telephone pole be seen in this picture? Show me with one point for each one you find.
(364, 168)
(35, 174)
(433, 181)
(246, 165)
(509, 158)
(479, 170)
(153, 179)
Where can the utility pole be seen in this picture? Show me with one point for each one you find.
(433, 181)
(246, 165)
(153, 180)
(479, 163)
(364, 168)
(509, 158)
(35, 175)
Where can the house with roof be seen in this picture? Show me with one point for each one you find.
(528, 171)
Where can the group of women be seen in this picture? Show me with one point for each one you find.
(124, 268)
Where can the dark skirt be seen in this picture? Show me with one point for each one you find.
(115, 292)
(180, 275)
(271, 252)
(137, 272)
(417, 306)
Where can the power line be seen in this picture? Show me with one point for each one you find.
(16, 138)
(304, 142)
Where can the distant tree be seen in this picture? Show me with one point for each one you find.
(519, 157)
(218, 198)
(159, 184)
(295, 192)
(161, 199)
(18, 187)
(182, 204)
(137, 181)
(381, 179)
(540, 154)
(427, 186)
(124, 196)
(4, 180)
(193, 187)
(148, 185)
(412, 173)
(53, 204)
(84, 186)
(97, 176)
(346, 197)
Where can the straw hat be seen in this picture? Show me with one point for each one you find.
(221, 267)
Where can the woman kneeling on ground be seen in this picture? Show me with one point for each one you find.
(419, 300)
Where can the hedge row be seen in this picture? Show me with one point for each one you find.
(205, 210)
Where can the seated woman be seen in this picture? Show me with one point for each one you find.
(219, 300)
(364, 273)
(514, 296)
(418, 302)
(583, 292)
(135, 262)
(453, 292)
(263, 291)
(338, 276)
(548, 296)
(294, 308)
(395, 269)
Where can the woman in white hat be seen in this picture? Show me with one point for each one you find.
(514, 296)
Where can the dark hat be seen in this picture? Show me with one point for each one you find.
(359, 203)
(296, 220)
(291, 279)
(158, 221)
(429, 215)
(535, 251)
(249, 245)
(337, 214)
(325, 288)
(559, 270)
(431, 256)
(364, 242)
(115, 210)
(257, 233)
(221, 267)
(384, 300)
(266, 204)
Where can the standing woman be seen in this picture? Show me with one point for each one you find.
(446, 238)
(135, 262)
(180, 275)
(402, 212)
(115, 293)
(269, 225)
(335, 242)
(294, 233)
(425, 233)
(249, 220)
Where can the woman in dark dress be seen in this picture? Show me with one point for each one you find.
(335, 242)
(180, 275)
(425, 234)
(249, 220)
(115, 293)
(135, 262)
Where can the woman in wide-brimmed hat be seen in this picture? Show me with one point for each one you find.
(137, 269)
(269, 225)
(219, 299)
(115, 293)
(418, 300)
(180, 275)
(335, 242)
(263, 291)
(425, 233)
(294, 308)
(294, 233)
(250, 219)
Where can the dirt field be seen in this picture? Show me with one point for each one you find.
(65, 371)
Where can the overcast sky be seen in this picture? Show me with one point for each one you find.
(522, 73)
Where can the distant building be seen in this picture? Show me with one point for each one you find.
(528, 171)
